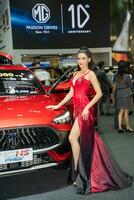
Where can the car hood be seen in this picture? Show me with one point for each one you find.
(27, 110)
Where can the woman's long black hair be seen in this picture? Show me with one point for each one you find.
(89, 55)
(122, 69)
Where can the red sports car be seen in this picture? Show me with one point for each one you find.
(31, 136)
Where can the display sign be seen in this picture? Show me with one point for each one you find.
(59, 24)
(14, 156)
(18, 82)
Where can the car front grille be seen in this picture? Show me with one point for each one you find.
(28, 137)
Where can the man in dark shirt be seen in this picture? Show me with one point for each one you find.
(105, 87)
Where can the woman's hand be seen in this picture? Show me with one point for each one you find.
(113, 100)
(53, 107)
(85, 113)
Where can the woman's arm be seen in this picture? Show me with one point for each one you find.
(113, 93)
(114, 89)
(128, 81)
(67, 98)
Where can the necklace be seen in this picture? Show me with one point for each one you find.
(85, 72)
(80, 77)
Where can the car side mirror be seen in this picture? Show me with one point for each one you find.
(63, 86)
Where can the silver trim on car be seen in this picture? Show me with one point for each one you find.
(28, 169)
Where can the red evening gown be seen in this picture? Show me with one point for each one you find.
(97, 172)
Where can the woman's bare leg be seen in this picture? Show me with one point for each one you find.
(126, 115)
(120, 115)
(73, 138)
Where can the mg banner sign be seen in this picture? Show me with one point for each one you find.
(41, 13)
(59, 24)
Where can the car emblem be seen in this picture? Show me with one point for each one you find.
(13, 140)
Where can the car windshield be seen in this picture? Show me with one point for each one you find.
(19, 82)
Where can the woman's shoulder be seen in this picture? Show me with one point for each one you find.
(91, 74)
(74, 73)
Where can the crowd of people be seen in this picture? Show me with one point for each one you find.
(118, 91)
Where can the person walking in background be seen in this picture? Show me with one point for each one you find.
(122, 91)
(132, 72)
(114, 99)
(35, 65)
(105, 87)
(42, 74)
(110, 75)
(94, 169)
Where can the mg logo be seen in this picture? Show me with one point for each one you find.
(41, 13)
(13, 140)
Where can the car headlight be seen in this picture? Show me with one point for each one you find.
(61, 119)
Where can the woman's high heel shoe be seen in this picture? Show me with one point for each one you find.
(83, 187)
(120, 130)
(82, 190)
(75, 177)
(74, 184)
(128, 130)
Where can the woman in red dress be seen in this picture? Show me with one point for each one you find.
(94, 169)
